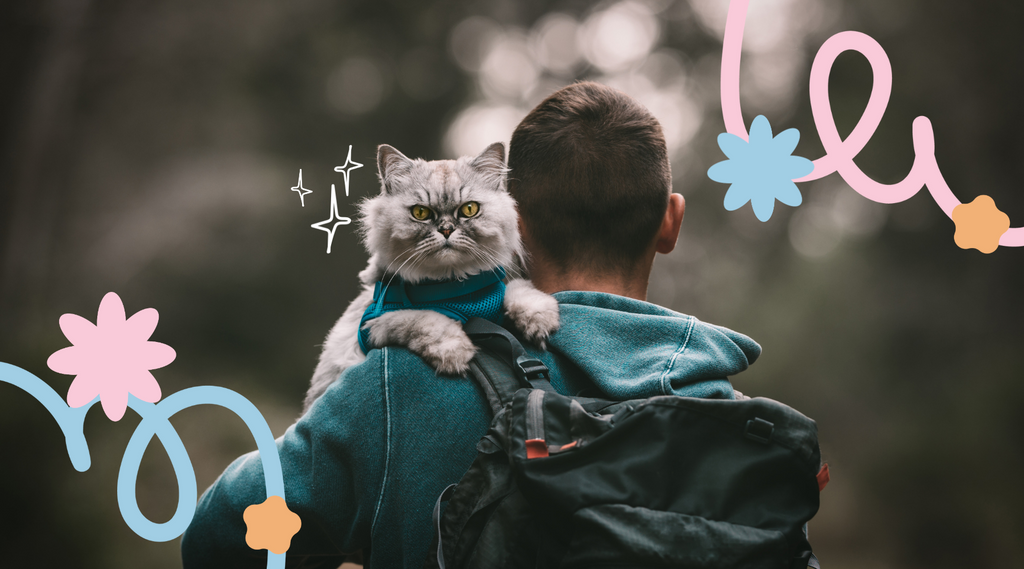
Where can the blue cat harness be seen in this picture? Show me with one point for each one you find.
(479, 295)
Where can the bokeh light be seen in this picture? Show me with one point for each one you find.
(424, 74)
(508, 71)
(480, 125)
(554, 43)
(619, 36)
(616, 44)
(469, 41)
(357, 86)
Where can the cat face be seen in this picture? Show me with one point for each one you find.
(441, 219)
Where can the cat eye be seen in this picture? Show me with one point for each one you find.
(421, 212)
(469, 209)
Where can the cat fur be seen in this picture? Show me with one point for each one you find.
(417, 250)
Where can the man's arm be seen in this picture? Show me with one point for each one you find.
(333, 464)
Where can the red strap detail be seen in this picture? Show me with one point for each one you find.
(823, 477)
(568, 446)
(536, 448)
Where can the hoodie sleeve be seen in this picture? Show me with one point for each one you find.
(333, 462)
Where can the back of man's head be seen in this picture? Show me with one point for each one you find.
(590, 172)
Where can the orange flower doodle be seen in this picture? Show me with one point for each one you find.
(271, 525)
(979, 225)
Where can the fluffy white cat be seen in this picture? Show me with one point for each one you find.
(434, 221)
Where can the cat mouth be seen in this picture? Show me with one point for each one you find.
(448, 253)
(449, 256)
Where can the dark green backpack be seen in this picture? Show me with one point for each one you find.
(662, 482)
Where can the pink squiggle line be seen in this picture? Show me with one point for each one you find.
(732, 46)
(839, 153)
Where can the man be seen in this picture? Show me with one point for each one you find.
(363, 468)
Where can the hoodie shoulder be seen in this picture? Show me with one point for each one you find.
(634, 349)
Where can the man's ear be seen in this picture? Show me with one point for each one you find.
(390, 163)
(668, 233)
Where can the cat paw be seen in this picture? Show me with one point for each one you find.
(439, 340)
(450, 355)
(533, 312)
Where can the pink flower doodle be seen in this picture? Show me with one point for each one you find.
(111, 358)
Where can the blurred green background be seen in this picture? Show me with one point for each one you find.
(149, 148)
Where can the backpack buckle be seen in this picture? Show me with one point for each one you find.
(531, 368)
(759, 430)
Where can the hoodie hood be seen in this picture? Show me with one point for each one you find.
(633, 349)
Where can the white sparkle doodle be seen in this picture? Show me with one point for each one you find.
(350, 165)
(302, 191)
(335, 220)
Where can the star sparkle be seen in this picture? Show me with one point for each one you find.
(302, 191)
(347, 168)
(335, 220)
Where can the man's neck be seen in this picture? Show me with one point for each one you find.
(634, 285)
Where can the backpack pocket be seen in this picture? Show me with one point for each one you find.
(621, 536)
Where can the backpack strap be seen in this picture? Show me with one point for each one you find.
(445, 495)
(502, 366)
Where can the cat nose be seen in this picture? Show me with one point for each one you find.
(446, 229)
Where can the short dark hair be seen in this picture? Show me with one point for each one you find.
(590, 172)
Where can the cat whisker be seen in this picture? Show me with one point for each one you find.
(511, 270)
(483, 260)
(384, 289)
(489, 250)
(419, 252)
(489, 259)
(399, 256)
(419, 261)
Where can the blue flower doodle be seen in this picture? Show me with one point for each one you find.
(762, 170)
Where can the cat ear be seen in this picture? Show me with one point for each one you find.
(390, 163)
(492, 162)
(492, 157)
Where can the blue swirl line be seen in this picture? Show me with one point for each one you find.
(155, 422)
(70, 420)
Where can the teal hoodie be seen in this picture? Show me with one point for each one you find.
(365, 465)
